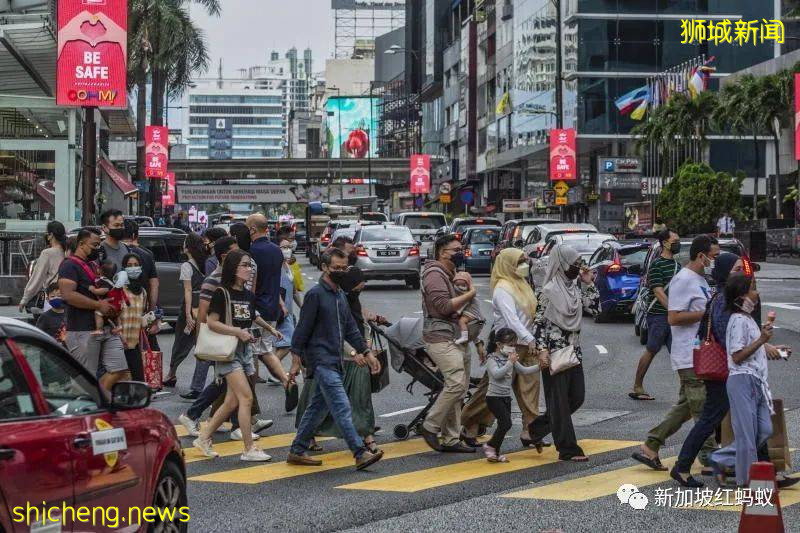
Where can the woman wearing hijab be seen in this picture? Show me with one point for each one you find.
(514, 306)
(557, 325)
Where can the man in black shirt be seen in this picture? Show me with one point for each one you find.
(75, 277)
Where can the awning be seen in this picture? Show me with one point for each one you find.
(126, 187)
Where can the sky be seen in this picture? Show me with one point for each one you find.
(247, 30)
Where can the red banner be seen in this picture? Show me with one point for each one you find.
(156, 147)
(420, 174)
(797, 116)
(92, 53)
(168, 198)
(563, 155)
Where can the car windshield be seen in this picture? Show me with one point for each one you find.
(379, 217)
(523, 231)
(583, 244)
(347, 232)
(386, 234)
(483, 236)
(632, 256)
(462, 226)
(424, 221)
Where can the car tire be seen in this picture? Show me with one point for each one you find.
(413, 282)
(642, 336)
(170, 491)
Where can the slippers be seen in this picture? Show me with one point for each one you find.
(575, 459)
(654, 463)
(640, 396)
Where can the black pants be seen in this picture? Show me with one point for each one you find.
(715, 408)
(133, 356)
(500, 406)
(184, 342)
(564, 394)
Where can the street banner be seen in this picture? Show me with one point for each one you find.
(269, 194)
(562, 155)
(797, 116)
(420, 174)
(156, 142)
(168, 198)
(92, 53)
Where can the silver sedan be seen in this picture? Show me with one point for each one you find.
(388, 252)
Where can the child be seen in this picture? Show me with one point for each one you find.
(109, 286)
(52, 320)
(468, 315)
(501, 367)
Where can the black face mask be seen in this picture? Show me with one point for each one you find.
(353, 277)
(457, 259)
(339, 277)
(94, 255)
(116, 233)
(572, 272)
(675, 248)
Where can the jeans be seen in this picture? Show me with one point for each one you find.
(200, 374)
(658, 333)
(714, 410)
(329, 396)
(501, 409)
(564, 394)
(206, 398)
(751, 421)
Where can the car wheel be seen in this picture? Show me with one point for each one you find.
(170, 493)
(413, 282)
(643, 336)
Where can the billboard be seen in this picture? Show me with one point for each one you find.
(352, 126)
(156, 148)
(270, 194)
(562, 155)
(92, 53)
(420, 174)
(220, 138)
(168, 198)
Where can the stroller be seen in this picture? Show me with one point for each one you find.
(407, 355)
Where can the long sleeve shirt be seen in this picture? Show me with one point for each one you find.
(501, 374)
(549, 336)
(325, 324)
(44, 271)
(507, 314)
(437, 301)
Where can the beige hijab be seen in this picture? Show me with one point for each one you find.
(504, 275)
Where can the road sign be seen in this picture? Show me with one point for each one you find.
(561, 189)
(445, 198)
(419, 201)
(561, 200)
(445, 188)
(467, 196)
(549, 197)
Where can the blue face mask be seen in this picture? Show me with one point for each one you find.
(56, 303)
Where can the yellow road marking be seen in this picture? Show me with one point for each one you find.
(330, 461)
(465, 471)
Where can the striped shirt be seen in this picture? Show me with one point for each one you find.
(660, 274)
(210, 284)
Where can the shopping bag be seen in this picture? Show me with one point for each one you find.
(380, 380)
(152, 362)
(778, 443)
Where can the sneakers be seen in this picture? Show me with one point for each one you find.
(255, 455)
(368, 458)
(464, 338)
(260, 425)
(302, 460)
(191, 395)
(273, 381)
(205, 446)
(192, 426)
(236, 434)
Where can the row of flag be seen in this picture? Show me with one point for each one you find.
(691, 80)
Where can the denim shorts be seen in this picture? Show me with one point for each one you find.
(243, 360)
(658, 333)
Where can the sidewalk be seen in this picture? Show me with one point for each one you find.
(778, 271)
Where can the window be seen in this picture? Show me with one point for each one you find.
(164, 250)
(424, 221)
(65, 389)
(484, 236)
(632, 256)
(15, 396)
(386, 234)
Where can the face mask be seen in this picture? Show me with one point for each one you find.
(709, 269)
(133, 272)
(523, 270)
(116, 233)
(572, 272)
(94, 255)
(56, 303)
(353, 276)
(457, 259)
(338, 277)
(508, 350)
(675, 248)
(287, 253)
(747, 305)
(294, 245)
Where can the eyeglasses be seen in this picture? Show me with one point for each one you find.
(246, 265)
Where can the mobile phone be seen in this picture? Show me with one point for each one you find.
(255, 332)
(783, 353)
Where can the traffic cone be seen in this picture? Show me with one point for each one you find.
(762, 518)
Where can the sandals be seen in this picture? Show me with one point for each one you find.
(372, 446)
(640, 396)
(654, 463)
(575, 459)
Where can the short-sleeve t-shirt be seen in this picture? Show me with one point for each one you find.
(242, 304)
(742, 332)
(77, 319)
(114, 255)
(660, 274)
(688, 292)
(210, 284)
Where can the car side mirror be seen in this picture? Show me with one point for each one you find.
(519, 243)
(635, 269)
(130, 395)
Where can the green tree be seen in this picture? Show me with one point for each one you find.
(696, 197)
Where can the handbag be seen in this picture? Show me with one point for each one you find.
(563, 359)
(152, 363)
(380, 380)
(710, 359)
(213, 346)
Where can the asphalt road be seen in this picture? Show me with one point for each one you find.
(416, 489)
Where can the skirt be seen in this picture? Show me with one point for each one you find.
(287, 330)
(358, 386)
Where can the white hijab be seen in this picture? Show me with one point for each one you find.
(564, 306)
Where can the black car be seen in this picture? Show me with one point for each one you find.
(514, 232)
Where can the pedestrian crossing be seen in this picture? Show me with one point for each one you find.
(582, 488)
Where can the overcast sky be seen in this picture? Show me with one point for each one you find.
(248, 30)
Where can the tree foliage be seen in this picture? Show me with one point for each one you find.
(697, 196)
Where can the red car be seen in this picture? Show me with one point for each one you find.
(64, 443)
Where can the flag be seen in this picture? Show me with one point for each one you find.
(630, 101)
(698, 80)
(504, 105)
(638, 113)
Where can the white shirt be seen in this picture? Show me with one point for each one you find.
(688, 291)
(507, 314)
(726, 225)
(742, 332)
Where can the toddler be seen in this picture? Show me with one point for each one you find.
(109, 286)
(469, 315)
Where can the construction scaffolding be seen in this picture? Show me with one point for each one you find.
(400, 123)
(358, 22)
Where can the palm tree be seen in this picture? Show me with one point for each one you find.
(775, 103)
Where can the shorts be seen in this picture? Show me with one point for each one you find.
(659, 333)
(287, 330)
(243, 360)
(91, 350)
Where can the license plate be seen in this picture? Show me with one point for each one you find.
(486, 252)
(388, 253)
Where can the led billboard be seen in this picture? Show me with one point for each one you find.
(352, 125)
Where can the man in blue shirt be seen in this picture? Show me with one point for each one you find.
(325, 323)
(269, 259)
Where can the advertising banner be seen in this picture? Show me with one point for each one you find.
(92, 53)
(268, 194)
(352, 127)
(563, 155)
(420, 174)
(168, 198)
(156, 142)
(797, 116)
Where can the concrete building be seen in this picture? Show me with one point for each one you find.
(350, 76)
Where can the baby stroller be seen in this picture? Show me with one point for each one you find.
(407, 355)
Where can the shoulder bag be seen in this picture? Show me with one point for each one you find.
(563, 359)
(710, 358)
(213, 346)
(380, 380)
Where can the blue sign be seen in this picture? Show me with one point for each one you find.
(467, 196)
(609, 165)
(419, 201)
